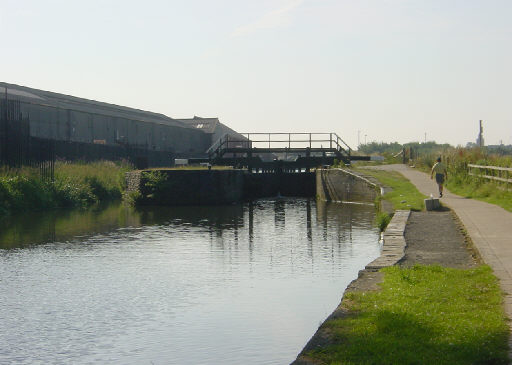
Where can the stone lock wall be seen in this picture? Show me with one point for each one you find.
(133, 179)
(343, 185)
(197, 187)
(187, 187)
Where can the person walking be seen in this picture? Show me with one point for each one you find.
(441, 175)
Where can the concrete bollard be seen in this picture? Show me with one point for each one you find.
(432, 203)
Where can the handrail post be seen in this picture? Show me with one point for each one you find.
(289, 140)
(269, 140)
(310, 140)
(330, 141)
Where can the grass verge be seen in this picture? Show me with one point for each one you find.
(489, 192)
(404, 194)
(422, 315)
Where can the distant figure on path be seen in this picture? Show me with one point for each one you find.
(441, 174)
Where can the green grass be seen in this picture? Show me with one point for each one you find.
(75, 185)
(404, 194)
(422, 315)
(96, 181)
(474, 188)
(382, 220)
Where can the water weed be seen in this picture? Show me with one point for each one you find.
(382, 220)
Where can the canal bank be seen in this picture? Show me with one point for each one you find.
(431, 238)
(393, 250)
(483, 339)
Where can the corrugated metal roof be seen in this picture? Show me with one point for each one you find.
(207, 125)
(48, 98)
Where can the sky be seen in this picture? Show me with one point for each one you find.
(369, 70)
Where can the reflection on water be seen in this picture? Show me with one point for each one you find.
(63, 225)
(183, 285)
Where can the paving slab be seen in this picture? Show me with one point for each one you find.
(393, 248)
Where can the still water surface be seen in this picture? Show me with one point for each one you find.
(243, 284)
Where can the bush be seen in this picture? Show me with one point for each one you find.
(134, 198)
(156, 184)
(22, 193)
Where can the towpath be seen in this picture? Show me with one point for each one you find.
(489, 226)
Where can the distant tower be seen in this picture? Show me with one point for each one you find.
(480, 139)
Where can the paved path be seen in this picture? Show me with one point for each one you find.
(489, 226)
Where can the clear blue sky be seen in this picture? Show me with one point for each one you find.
(391, 69)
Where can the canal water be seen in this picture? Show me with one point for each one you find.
(241, 284)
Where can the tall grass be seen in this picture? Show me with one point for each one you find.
(460, 182)
(75, 185)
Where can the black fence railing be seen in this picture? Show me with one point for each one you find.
(18, 148)
(14, 134)
(138, 156)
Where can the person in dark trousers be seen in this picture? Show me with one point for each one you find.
(441, 175)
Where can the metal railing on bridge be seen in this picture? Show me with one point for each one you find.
(279, 152)
(280, 142)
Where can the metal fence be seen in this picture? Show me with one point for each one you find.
(17, 147)
(14, 134)
(88, 152)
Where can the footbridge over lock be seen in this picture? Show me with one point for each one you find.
(280, 152)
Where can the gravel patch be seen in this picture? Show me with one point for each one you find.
(437, 237)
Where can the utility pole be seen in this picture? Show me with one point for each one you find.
(358, 138)
(425, 137)
(365, 139)
(6, 102)
(3, 129)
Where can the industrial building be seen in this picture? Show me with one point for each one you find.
(212, 127)
(93, 128)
